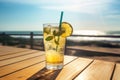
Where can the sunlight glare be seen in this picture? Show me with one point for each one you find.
(89, 32)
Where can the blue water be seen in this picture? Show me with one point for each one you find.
(40, 32)
(113, 32)
(23, 32)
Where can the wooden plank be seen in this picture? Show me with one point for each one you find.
(4, 47)
(98, 70)
(11, 52)
(8, 48)
(72, 69)
(4, 50)
(11, 49)
(116, 75)
(17, 66)
(27, 72)
(0, 45)
(67, 59)
(17, 54)
(8, 51)
(19, 58)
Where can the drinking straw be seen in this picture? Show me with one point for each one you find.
(61, 17)
(59, 27)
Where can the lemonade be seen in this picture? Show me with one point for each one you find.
(54, 44)
(53, 57)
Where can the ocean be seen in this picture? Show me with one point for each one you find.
(96, 33)
(81, 32)
(23, 32)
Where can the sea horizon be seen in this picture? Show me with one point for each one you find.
(78, 32)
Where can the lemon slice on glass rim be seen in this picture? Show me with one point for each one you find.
(68, 29)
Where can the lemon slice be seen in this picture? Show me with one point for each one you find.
(68, 29)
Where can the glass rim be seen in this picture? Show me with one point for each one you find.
(50, 24)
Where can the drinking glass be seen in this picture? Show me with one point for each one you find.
(54, 45)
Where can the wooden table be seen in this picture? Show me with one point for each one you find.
(22, 64)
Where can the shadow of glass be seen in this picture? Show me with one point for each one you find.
(45, 74)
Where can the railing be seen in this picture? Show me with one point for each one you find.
(31, 34)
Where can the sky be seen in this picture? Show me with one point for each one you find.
(30, 15)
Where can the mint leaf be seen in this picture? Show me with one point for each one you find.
(49, 38)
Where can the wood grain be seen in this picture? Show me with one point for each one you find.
(98, 70)
(20, 58)
(27, 72)
(5, 50)
(17, 54)
(73, 68)
(27, 64)
(17, 66)
(116, 75)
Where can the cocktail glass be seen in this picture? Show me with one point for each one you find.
(54, 45)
